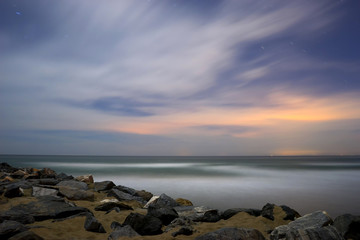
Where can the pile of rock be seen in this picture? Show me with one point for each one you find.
(52, 197)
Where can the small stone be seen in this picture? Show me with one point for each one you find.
(187, 231)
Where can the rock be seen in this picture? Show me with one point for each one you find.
(165, 213)
(85, 178)
(233, 211)
(27, 235)
(76, 194)
(110, 205)
(291, 214)
(348, 226)
(47, 173)
(10, 228)
(210, 216)
(18, 174)
(13, 191)
(7, 179)
(40, 191)
(4, 167)
(144, 195)
(165, 200)
(268, 211)
(195, 214)
(127, 190)
(73, 184)
(152, 199)
(46, 207)
(313, 220)
(232, 234)
(123, 231)
(184, 202)
(93, 225)
(328, 233)
(63, 176)
(48, 181)
(187, 231)
(103, 186)
(144, 224)
(124, 196)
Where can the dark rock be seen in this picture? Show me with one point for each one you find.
(4, 167)
(124, 196)
(13, 191)
(73, 184)
(47, 173)
(18, 174)
(48, 181)
(211, 216)
(313, 220)
(93, 225)
(110, 205)
(233, 211)
(114, 225)
(291, 214)
(165, 213)
(63, 177)
(123, 231)
(39, 191)
(165, 200)
(76, 194)
(103, 186)
(46, 207)
(116, 209)
(27, 235)
(127, 190)
(144, 195)
(187, 231)
(10, 228)
(348, 226)
(232, 234)
(144, 224)
(268, 211)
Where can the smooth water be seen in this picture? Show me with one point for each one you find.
(306, 184)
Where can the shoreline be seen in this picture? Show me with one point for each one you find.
(68, 204)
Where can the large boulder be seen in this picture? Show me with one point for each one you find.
(165, 213)
(46, 207)
(27, 235)
(48, 181)
(232, 234)
(315, 220)
(73, 184)
(210, 216)
(121, 232)
(103, 186)
(144, 224)
(10, 228)
(47, 173)
(198, 214)
(40, 191)
(93, 225)
(5, 167)
(144, 195)
(348, 226)
(76, 194)
(125, 189)
(233, 211)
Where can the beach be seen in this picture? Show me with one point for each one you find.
(54, 205)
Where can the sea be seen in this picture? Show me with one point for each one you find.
(304, 183)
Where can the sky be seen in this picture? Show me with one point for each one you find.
(180, 77)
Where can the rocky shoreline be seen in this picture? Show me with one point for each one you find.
(42, 204)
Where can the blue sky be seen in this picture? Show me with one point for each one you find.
(175, 77)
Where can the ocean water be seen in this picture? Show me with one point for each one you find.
(306, 184)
